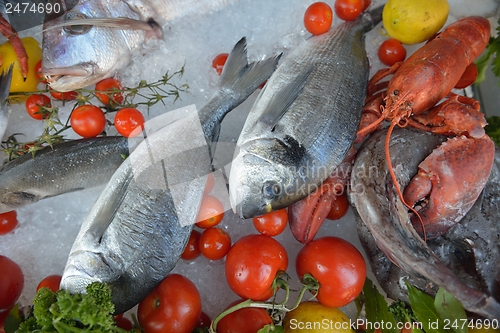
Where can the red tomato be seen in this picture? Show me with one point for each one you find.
(211, 212)
(246, 320)
(127, 120)
(340, 205)
(348, 10)
(271, 224)
(192, 250)
(318, 18)
(219, 62)
(391, 51)
(34, 104)
(337, 265)
(252, 264)
(214, 243)
(204, 320)
(210, 183)
(468, 77)
(38, 72)
(88, 121)
(8, 222)
(64, 96)
(52, 282)
(366, 4)
(11, 283)
(173, 306)
(108, 91)
(123, 322)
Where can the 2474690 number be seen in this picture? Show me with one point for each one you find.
(36, 8)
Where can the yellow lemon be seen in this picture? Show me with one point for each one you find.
(413, 22)
(313, 317)
(9, 57)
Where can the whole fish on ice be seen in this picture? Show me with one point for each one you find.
(139, 226)
(94, 39)
(63, 168)
(5, 79)
(303, 122)
(387, 220)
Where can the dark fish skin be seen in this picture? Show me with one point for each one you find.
(304, 122)
(137, 230)
(67, 167)
(459, 257)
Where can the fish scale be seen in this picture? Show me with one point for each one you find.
(304, 121)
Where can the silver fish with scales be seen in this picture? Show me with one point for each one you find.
(303, 122)
(136, 231)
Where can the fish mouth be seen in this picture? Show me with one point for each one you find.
(67, 78)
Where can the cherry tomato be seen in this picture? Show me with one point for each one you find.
(337, 265)
(108, 91)
(211, 212)
(123, 322)
(34, 103)
(52, 282)
(64, 96)
(88, 121)
(468, 77)
(219, 62)
(340, 205)
(210, 183)
(318, 18)
(173, 306)
(204, 320)
(11, 283)
(348, 10)
(271, 224)
(366, 4)
(127, 120)
(391, 51)
(8, 222)
(192, 250)
(38, 72)
(214, 243)
(252, 264)
(244, 320)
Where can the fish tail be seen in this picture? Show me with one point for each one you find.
(243, 78)
(5, 79)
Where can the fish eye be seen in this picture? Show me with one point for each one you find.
(271, 190)
(76, 29)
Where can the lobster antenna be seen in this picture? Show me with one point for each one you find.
(394, 179)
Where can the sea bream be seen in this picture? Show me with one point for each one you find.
(65, 167)
(304, 121)
(94, 39)
(139, 226)
(472, 277)
(5, 79)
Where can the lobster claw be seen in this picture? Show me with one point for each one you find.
(8, 31)
(307, 215)
(448, 183)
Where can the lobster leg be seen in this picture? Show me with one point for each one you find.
(448, 183)
(8, 31)
(307, 215)
(458, 115)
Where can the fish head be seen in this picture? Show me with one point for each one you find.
(76, 56)
(259, 185)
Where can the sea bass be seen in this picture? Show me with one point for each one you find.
(94, 39)
(5, 79)
(66, 167)
(139, 226)
(304, 121)
(387, 220)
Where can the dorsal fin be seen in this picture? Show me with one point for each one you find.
(282, 100)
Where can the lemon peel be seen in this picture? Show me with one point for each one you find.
(413, 22)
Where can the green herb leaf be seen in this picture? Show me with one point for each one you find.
(377, 310)
(449, 308)
(493, 128)
(270, 328)
(13, 320)
(424, 310)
